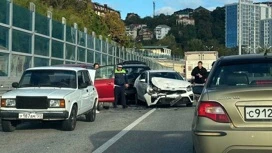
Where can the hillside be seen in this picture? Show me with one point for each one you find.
(81, 12)
(208, 30)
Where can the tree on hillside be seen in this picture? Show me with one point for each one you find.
(133, 19)
(195, 45)
(171, 43)
(203, 24)
(116, 27)
(218, 28)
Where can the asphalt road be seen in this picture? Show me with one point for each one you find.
(133, 130)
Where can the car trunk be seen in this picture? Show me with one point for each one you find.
(247, 107)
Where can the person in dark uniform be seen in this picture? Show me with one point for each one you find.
(120, 83)
(200, 73)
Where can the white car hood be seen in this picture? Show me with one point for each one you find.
(49, 92)
(170, 84)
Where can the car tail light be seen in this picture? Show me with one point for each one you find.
(213, 111)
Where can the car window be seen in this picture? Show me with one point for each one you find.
(143, 76)
(105, 72)
(86, 77)
(168, 75)
(80, 78)
(250, 74)
(48, 78)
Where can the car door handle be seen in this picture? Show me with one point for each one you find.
(109, 83)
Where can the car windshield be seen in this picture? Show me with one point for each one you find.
(251, 74)
(48, 78)
(105, 72)
(134, 72)
(168, 75)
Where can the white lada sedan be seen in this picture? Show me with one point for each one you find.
(50, 94)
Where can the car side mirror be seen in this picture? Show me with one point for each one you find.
(142, 80)
(15, 84)
(83, 85)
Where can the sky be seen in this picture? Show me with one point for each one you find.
(145, 7)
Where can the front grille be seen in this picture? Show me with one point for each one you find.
(31, 102)
(173, 92)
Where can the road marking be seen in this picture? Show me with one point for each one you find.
(114, 139)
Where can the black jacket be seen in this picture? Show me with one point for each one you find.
(120, 78)
(202, 72)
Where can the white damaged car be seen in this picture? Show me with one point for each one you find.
(163, 87)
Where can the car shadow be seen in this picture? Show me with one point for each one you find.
(145, 141)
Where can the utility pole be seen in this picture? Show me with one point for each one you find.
(240, 27)
(154, 8)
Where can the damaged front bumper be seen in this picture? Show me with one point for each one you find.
(169, 99)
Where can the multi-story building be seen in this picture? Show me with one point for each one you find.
(101, 10)
(146, 34)
(251, 16)
(131, 31)
(266, 33)
(161, 31)
(157, 51)
(185, 20)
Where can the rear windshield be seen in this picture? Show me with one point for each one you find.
(250, 74)
(134, 72)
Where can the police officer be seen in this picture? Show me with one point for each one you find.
(120, 83)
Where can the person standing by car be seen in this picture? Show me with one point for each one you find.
(200, 73)
(120, 83)
(96, 66)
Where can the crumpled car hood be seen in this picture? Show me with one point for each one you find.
(169, 84)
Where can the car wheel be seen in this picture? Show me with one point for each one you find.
(8, 126)
(91, 115)
(70, 123)
(189, 104)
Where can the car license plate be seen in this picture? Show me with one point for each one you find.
(173, 102)
(30, 116)
(258, 113)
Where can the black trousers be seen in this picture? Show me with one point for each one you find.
(119, 96)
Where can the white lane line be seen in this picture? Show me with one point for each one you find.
(114, 139)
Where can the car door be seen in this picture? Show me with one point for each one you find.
(84, 92)
(88, 104)
(142, 85)
(104, 83)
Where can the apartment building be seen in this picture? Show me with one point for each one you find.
(161, 31)
(251, 16)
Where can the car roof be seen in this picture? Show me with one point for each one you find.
(135, 65)
(158, 71)
(245, 58)
(132, 62)
(57, 68)
(75, 65)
